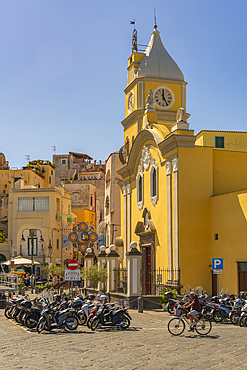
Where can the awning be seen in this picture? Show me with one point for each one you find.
(20, 261)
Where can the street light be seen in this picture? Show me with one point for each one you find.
(32, 233)
(50, 246)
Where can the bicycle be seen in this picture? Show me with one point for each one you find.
(176, 326)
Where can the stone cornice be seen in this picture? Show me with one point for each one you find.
(150, 79)
(175, 141)
(134, 116)
(165, 116)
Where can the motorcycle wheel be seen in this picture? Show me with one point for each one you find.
(7, 312)
(242, 320)
(41, 326)
(89, 322)
(170, 309)
(71, 323)
(245, 321)
(82, 318)
(94, 323)
(15, 316)
(235, 318)
(127, 322)
(18, 317)
(217, 316)
(30, 324)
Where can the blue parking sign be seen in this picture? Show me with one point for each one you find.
(217, 263)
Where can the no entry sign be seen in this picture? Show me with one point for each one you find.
(73, 264)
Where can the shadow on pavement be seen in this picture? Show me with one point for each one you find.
(189, 336)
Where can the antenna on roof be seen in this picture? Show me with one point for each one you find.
(134, 36)
(54, 149)
(155, 25)
(27, 157)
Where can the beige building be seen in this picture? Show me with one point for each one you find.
(112, 219)
(76, 171)
(46, 211)
(31, 206)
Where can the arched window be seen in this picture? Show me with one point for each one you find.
(107, 205)
(108, 178)
(154, 183)
(140, 186)
(154, 190)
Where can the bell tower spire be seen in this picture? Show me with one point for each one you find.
(155, 25)
(134, 37)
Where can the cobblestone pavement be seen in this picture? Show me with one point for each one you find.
(147, 344)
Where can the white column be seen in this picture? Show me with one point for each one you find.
(125, 225)
(175, 217)
(129, 215)
(108, 283)
(169, 219)
(134, 268)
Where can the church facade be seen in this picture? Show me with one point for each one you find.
(184, 196)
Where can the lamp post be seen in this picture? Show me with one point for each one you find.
(50, 246)
(32, 233)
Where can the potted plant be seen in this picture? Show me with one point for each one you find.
(163, 299)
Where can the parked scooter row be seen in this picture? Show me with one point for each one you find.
(67, 313)
(218, 308)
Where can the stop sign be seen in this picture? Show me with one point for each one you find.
(73, 264)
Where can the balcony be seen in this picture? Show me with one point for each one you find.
(58, 216)
(70, 219)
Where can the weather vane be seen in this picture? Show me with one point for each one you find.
(134, 36)
(155, 25)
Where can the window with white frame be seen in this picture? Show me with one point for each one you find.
(75, 198)
(154, 183)
(32, 246)
(33, 204)
(140, 190)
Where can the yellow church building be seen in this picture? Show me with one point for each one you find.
(184, 196)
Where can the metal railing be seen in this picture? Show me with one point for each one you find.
(153, 281)
(120, 280)
(9, 281)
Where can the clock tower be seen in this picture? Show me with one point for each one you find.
(153, 70)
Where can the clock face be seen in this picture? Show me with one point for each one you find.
(131, 101)
(164, 97)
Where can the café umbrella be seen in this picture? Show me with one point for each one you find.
(20, 261)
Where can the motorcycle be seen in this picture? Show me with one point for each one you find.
(10, 308)
(120, 318)
(243, 316)
(53, 319)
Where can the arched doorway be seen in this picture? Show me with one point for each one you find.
(3, 259)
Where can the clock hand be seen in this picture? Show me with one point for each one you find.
(163, 93)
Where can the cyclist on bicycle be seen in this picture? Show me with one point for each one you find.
(195, 308)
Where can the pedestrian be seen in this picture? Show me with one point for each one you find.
(28, 280)
(54, 279)
(32, 280)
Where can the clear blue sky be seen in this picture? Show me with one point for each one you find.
(63, 69)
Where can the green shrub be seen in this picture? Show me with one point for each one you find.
(164, 290)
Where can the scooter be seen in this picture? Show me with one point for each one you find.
(50, 319)
(120, 318)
